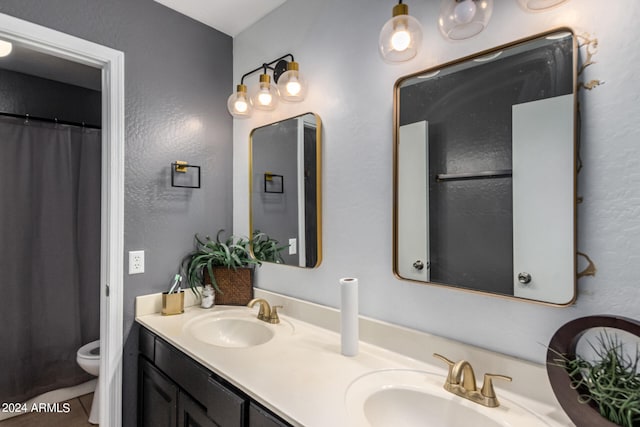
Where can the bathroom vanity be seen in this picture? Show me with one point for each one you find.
(175, 390)
(223, 367)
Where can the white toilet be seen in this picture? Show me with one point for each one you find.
(88, 357)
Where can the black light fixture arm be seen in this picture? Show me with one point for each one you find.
(279, 68)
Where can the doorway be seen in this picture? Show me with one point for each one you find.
(111, 62)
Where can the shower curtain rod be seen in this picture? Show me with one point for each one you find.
(27, 117)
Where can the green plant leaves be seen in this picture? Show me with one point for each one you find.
(233, 253)
(267, 249)
(612, 380)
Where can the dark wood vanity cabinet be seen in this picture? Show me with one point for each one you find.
(174, 390)
(158, 397)
(191, 414)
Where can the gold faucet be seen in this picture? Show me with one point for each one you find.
(274, 314)
(265, 310)
(461, 381)
(266, 313)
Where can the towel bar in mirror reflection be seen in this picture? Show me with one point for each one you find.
(287, 211)
(485, 171)
(273, 183)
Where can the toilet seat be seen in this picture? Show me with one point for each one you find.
(90, 351)
(88, 358)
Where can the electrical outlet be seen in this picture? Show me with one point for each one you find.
(136, 262)
(293, 246)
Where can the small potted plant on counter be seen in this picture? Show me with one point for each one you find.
(228, 265)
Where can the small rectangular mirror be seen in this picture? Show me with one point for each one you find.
(485, 171)
(285, 193)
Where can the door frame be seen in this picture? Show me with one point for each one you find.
(111, 62)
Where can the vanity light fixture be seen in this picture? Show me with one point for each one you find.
(401, 36)
(238, 103)
(5, 48)
(265, 97)
(462, 19)
(291, 87)
(539, 5)
(291, 84)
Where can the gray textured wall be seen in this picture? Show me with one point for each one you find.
(178, 74)
(24, 94)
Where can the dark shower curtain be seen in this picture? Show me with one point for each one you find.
(49, 254)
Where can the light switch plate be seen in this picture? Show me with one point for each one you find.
(293, 246)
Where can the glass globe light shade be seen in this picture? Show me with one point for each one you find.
(5, 48)
(539, 5)
(401, 36)
(461, 19)
(291, 84)
(464, 11)
(265, 97)
(238, 103)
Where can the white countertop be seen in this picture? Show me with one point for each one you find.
(302, 376)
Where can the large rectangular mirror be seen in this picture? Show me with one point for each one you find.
(285, 196)
(485, 171)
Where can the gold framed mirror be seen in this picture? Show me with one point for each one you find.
(285, 197)
(485, 171)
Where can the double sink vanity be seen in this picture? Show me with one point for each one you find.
(225, 367)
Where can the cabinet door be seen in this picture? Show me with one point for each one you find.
(259, 417)
(158, 397)
(224, 405)
(191, 414)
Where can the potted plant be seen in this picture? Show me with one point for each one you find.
(225, 264)
(611, 381)
(266, 249)
(602, 389)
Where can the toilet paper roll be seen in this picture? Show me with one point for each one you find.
(349, 316)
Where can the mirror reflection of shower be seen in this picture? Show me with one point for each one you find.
(50, 141)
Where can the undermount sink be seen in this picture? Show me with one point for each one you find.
(238, 328)
(408, 398)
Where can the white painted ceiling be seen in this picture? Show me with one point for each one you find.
(228, 16)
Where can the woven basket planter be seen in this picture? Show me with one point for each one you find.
(236, 286)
